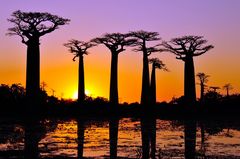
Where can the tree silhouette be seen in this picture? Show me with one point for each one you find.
(190, 128)
(115, 42)
(142, 37)
(227, 87)
(43, 85)
(17, 91)
(203, 79)
(30, 26)
(185, 48)
(214, 88)
(156, 64)
(79, 48)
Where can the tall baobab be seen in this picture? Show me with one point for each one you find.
(115, 42)
(142, 37)
(227, 87)
(156, 64)
(30, 26)
(78, 49)
(203, 79)
(185, 48)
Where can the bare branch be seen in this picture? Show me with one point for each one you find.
(114, 41)
(187, 46)
(144, 35)
(30, 25)
(156, 63)
(78, 48)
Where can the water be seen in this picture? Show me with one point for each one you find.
(64, 138)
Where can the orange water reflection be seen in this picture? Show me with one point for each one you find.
(63, 138)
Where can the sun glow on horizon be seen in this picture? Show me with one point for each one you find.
(75, 94)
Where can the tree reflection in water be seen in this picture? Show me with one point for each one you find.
(148, 134)
(190, 139)
(113, 136)
(80, 136)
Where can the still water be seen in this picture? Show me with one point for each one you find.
(121, 138)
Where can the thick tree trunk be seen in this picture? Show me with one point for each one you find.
(153, 137)
(153, 86)
(31, 139)
(145, 135)
(33, 70)
(189, 82)
(81, 86)
(80, 132)
(114, 80)
(113, 136)
(202, 135)
(145, 81)
(190, 139)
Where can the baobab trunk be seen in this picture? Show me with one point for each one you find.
(153, 85)
(33, 70)
(202, 93)
(190, 139)
(145, 81)
(81, 86)
(145, 124)
(153, 137)
(114, 80)
(80, 137)
(31, 138)
(189, 82)
(113, 137)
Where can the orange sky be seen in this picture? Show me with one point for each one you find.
(219, 24)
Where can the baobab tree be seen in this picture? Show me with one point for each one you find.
(142, 37)
(30, 26)
(203, 79)
(115, 42)
(78, 49)
(227, 87)
(185, 48)
(156, 64)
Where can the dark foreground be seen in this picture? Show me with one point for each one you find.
(127, 131)
(112, 137)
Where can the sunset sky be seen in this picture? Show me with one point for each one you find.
(217, 20)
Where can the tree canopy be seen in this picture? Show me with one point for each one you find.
(30, 25)
(114, 41)
(78, 48)
(187, 46)
(141, 37)
(158, 64)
